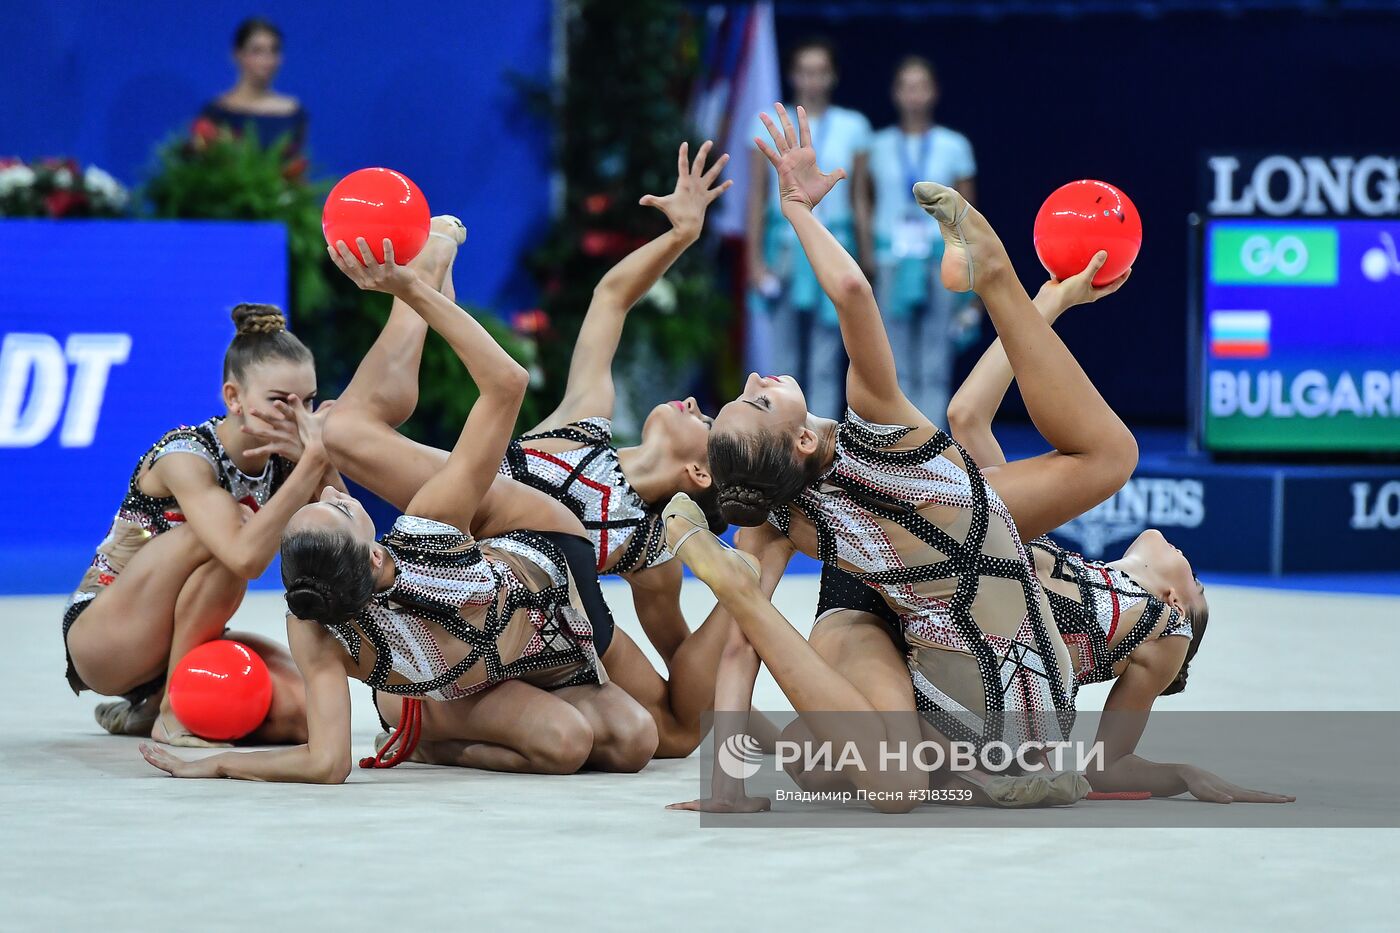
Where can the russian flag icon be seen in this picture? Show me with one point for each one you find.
(1239, 334)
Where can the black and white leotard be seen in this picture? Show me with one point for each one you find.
(462, 615)
(1102, 614)
(919, 526)
(627, 535)
(141, 518)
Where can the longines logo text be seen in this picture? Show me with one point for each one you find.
(1143, 503)
(1306, 186)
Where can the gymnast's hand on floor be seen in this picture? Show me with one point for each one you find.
(725, 805)
(685, 207)
(800, 181)
(1212, 788)
(178, 767)
(1078, 289)
(371, 274)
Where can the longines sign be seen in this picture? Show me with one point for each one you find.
(1278, 185)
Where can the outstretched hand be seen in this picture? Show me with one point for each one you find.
(371, 274)
(724, 805)
(174, 765)
(695, 190)
(1212, 788)
(800, 181)
(1080, 289)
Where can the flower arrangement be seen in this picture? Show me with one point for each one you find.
(59, 188)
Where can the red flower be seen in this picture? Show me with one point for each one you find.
(64, 203)
(204, 131)
(295, 170)
(531, 323)
(604, 243)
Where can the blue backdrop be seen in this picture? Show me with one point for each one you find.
(101, 357)
(423, 90)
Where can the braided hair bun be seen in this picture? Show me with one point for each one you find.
(258, 319)
(745, 505)
(310, 599)
(260, 335)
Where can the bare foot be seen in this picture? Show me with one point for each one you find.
(170, 731)
(970, 245)
(709, 558)
(724, 805)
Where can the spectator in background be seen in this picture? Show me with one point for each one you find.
(926, 322)
(792, 324)
(252, 103)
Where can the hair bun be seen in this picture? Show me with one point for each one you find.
(258, 319)
(309, 598)
(745, 505)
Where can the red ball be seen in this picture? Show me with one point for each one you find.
(1081, 218)
(221, 690)
(377, 203)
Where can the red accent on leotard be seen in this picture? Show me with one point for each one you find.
(604, 490)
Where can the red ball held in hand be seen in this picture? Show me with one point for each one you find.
(377, 203)
(221, 690)
(1081, 218)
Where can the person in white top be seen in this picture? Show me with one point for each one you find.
(792, 325)
(926, 322)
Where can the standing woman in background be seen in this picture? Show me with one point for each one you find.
(926, 322)
(792, 323)
(252, 102)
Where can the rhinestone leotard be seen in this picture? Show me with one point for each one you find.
(141, 518)
(1107, 599)
(627, 535)
(922, 528)
(462, 616)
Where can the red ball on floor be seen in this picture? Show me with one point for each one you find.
(221, 690)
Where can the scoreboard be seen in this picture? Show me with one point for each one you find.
(1300, 333)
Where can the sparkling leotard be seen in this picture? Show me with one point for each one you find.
(627, 535)
(141, 518)
(462, 616)
(921, 527)
(1106, 600)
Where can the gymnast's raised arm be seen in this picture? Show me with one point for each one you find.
(453, 494)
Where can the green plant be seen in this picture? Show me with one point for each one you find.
(619, 116)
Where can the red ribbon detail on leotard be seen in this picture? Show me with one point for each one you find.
(403, 740)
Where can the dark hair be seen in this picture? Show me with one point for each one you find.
(327, 574)
(250, 27)
(1198, 631)
(261, 334)
(915, 61)
(813, 44)
(708, 500)
(755, 473)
